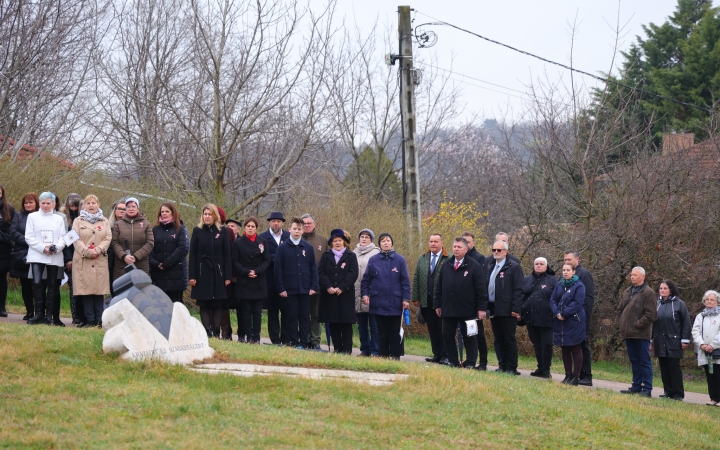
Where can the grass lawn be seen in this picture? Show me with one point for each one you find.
(60, 390)
(419, 345)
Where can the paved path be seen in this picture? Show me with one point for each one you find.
(690, 397)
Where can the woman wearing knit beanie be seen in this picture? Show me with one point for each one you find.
(385, 288)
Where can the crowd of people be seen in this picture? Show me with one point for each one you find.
(304, 279)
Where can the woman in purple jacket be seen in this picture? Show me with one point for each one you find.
(567, 302)
(385, 288)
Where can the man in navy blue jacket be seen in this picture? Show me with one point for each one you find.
(274, 237)
(296, 279)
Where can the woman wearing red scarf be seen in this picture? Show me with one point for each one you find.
(250, 261)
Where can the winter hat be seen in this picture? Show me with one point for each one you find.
(238, 222)
(368, 231)
(382, 235)
(276, 215)
(132, 199)
(338, 232)
(223, 216)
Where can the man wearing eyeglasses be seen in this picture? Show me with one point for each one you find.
(505, 299)
(502, 236)
(319, 244)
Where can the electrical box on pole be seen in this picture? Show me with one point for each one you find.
(411, 179)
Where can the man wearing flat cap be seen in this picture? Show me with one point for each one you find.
(274, 236)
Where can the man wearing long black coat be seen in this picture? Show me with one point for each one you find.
(505, 299)
(460, 296)
(482, 341)
(274, 236)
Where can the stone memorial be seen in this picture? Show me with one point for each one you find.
(142, 323)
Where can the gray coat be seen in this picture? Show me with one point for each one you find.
(362, 258)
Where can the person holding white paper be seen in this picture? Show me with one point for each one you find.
(460, 296)
(91, 279)
(43, 234)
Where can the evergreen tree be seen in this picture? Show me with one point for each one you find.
(679, 59)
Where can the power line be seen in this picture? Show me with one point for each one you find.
(472, 78)
(604, 80)
(533, 97)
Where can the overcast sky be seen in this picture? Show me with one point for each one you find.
(541, 27)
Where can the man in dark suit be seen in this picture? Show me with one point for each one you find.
(460, 297)
(481, 340)
(423, 292)
(572, 257)
(505, 299)
(274, 237)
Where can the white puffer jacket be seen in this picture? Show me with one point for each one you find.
(45, 229)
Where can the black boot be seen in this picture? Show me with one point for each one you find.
(39, 316)
(573, 381)
(216, 332)
(568, 377)
(56, 309)
(3, 312)
(208, 331)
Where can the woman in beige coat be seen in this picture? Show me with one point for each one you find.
(90, 261)
(367, 326)
(132, 240)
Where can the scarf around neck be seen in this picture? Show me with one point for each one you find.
(338, 254)
(252, 238)
(92, 218)
(567, 283)
(715, 310)
(364, 248)
(166, 221)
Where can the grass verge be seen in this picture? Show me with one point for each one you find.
(60, 390)
(618, 370)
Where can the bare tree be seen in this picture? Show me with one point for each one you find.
(45, 63)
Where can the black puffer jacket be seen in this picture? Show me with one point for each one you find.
(671, 328)
(536, 308)
(19, 269)
(170, 250)
(6, 242)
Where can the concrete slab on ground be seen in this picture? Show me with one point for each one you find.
(249, 370)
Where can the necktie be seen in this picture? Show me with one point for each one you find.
(433, 260)
(491, 287)
(456, 264)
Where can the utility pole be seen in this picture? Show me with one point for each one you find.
(411, 179)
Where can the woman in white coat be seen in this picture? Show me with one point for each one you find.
(705, 336)
(43, 235)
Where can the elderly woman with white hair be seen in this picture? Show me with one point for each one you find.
(43, 234)
(705, 335)
(538, 316)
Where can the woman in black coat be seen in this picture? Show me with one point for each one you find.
(19, 266)
(338, 271)
(538, 316)
(168, 254)
(251, 261)
(210, 268)
(6, 214)
(671, 335)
